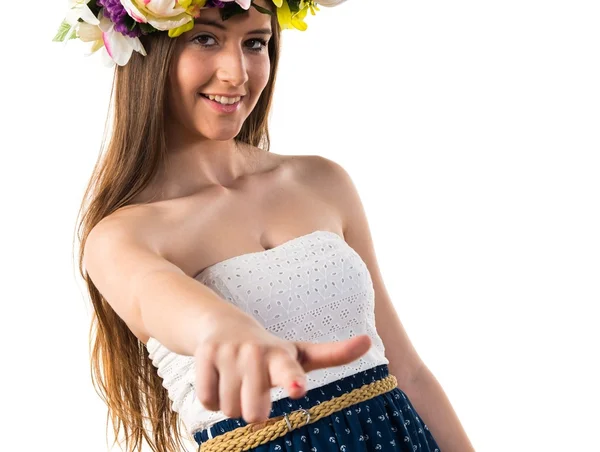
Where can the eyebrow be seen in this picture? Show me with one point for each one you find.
(200, 21)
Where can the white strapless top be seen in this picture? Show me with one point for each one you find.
(312, 288)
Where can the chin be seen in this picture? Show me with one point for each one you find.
(222, 135)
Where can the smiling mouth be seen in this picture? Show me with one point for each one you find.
(222, 99)
(218, 103)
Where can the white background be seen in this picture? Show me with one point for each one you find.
(471, 130)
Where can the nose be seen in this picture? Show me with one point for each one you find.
(232, 66)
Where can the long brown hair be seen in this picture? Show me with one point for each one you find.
(121, 371)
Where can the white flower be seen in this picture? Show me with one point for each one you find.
(329, 3)
(245, 4)
(118, 48)
(78, 9)
(161, 14)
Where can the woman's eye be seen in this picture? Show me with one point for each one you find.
(255, 45)
(201, 39)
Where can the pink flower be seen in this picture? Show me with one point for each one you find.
(243, 3)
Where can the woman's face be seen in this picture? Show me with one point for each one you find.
(219, 58)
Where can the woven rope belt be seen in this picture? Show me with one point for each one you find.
(258, 433)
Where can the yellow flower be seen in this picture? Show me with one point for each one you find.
(176, 16)
(174, 32)
(192, 7)
(313, 7)
(287, 19)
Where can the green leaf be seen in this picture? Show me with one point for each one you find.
(95, 8)
(146, 28)
(294, 5)
(230, 10)
(263, 10)
(61, 34)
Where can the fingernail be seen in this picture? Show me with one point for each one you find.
(296, 385)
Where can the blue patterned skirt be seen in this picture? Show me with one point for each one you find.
(387, 422)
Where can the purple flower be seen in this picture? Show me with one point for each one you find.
(245, 4)
(114, 10)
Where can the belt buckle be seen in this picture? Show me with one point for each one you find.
(287, 421)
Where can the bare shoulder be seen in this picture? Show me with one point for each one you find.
(316, 168)
(329, 180)
(137, 225)
(139, 220)
(319, 172)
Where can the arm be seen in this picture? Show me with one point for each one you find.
(414, 378)
(153, 296)
(434, 408)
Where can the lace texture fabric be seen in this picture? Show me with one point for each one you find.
(312, 288)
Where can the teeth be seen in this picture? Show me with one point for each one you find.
(223, 99)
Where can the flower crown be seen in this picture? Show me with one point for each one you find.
(116, 25)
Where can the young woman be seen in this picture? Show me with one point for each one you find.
(234, 289)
